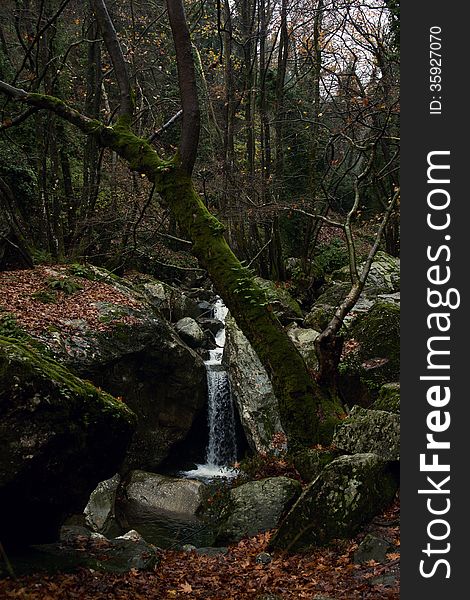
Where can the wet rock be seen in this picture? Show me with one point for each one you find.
(347, 493)
(59, 436)
(257, 506)
(212, 325)
(367, 430)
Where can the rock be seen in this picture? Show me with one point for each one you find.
(347, 493)
(310, 462)
(383, 278)
(205, 309)
(190, 332)
(383, 283)
(120, 555)
(376, 359)
(389, 398)
(319, 316)
(59, 436)
(285, 307)
(136, 355)
(257, 506)
(304, 340)
(212, 325)
(251, 389)
(188, 548)
(366, 430)
(165, 494)
(100, 508)
(263, 558)
(372, 548)
(170, 301)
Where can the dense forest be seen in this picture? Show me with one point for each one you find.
(199, 311)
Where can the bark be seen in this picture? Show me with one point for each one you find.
(187, 84)
(114, 48)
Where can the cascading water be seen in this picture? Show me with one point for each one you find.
(221, 451)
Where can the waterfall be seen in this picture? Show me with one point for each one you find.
(221, 451)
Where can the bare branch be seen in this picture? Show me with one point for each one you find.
(166, 126)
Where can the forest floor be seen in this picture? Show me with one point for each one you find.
(326, 572)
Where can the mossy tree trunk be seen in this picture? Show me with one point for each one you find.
(308, 412)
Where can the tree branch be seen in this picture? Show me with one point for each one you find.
(166, 126)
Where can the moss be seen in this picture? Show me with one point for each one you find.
(348, 492)
(389, 398)
(310, 462)
(30, 362)
(44, 296)
(377, 359)
(299, 396)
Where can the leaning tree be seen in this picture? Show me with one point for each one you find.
(309, 410)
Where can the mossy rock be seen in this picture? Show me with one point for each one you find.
(367, 430)
(59, 436)
(311, 462)
(383, 277)
(349, 491)
(376, 360)
(389, 398)
(257, 506)
(319, 317)
(285, 307)
(333, 295)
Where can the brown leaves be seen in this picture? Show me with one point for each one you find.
(18, 290)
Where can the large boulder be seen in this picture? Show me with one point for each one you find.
(252, 390)
(383, 283)
(375, 357)
(257, 506)
(366, 430)
(161, 494)
(347, 493)
(124, 346)
(310, 462)
(59, 436)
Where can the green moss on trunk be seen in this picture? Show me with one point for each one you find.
(308, 412)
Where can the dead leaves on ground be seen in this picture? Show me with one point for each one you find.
(232, 576)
